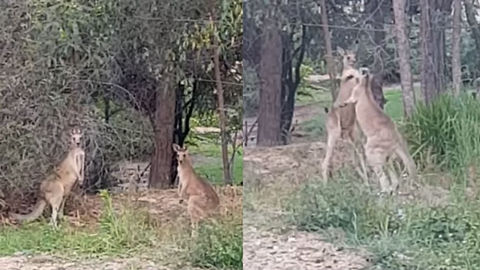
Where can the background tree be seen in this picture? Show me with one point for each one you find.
(404, 57)
(133, 76)
(270, 110)
(328, 48)
(456, 56)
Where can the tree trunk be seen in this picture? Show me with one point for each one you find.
(456, 62)
(291, 63)
(221, 114)
(328, 47)
(269, 119)
(470, 12)
(404, 57)
(432, 32)
(441, 12)
(428, 59)
(161, 172)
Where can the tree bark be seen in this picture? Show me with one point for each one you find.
(221, 113)
(328, 47)
(404, 57)
(472, 21)
(269, 119)
(161, 171)
(456, 61)
(291, 64)
(428, 60)
(432, 32)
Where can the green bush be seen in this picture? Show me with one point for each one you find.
(446, 131)
(219, 246)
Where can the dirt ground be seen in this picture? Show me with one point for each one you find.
(266, 250)
(162, 205)
(44, 262)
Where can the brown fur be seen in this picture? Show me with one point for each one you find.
(201, 196)
(55, 189)
(383, 138)
(340, 122)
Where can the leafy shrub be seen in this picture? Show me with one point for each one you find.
(447, 131)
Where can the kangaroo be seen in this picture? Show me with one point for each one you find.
(56, 187)
(340, 122)
(202, 198)
(383, 138)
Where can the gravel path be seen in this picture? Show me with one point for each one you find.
(44, 262)
(295, 250)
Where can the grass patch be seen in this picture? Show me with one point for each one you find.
(314, 127)
(131, 231)
(394, 105)
(309, 95)
(211, 167)
(399, 235)
(125, 232)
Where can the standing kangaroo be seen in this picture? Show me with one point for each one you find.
(56, 187)
(202, 198)
(383, 138)
(341, 121)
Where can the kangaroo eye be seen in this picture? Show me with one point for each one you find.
(348, 57)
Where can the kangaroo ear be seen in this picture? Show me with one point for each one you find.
(176, 147)
(341, 51)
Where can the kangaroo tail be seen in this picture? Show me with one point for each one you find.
(402, 152)
(37, 211)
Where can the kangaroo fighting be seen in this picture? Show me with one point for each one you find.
(383, 138)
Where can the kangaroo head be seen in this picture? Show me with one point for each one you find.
(361, 88)
(75, 137)
(181, 152)
(349, 57)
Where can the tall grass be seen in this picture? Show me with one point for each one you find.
(447, 131)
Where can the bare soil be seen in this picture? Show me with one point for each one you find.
(264, 250)
(45, 262)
